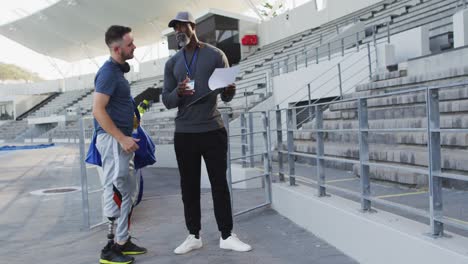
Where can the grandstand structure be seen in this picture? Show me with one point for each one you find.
(254, 83)
(311, 72)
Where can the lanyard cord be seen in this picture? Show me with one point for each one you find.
(189, 66)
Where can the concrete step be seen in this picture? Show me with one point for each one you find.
(406, 138)
(424, 9)
(450, 76)
(453, 99)
(404, 112)
(164, 133)
(449, 121)
(399, 155)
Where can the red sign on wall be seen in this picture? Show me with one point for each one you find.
(250, 40)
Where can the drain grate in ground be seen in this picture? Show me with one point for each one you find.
(56, 191)
(60, 190)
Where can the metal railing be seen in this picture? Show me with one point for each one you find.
(263, 89)
(366, 63)
(313, 55)
(434, 169)
(247, 131)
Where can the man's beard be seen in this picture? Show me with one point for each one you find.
(127, 56)
(182, 40)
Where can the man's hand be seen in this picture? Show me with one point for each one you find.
(136, 122)
(182, 88)
(129, 144)
(230, 90)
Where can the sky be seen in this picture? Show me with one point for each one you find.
(17, 54)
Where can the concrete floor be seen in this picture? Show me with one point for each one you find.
(48, 229)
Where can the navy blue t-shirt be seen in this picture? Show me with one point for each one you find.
(110, 80)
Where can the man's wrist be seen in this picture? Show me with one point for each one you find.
(178, 93)
(120, 137)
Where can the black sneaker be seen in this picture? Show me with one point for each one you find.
(112, 254)
(129, 248)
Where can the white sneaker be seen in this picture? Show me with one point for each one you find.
(233, 243)
(188, 245)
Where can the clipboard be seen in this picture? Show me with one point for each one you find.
(199, 100)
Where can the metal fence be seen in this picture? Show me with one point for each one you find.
(435, 173)
(252, 144)
(246, 134)
(303, 58)
(71, 137)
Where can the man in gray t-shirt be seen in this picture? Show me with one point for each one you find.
(199, 131)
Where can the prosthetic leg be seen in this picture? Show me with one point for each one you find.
(110, 235)
(111, 254)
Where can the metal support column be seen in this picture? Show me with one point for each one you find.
(246, 95)
(243, 130)
(370, 60)
(374, 36)
(84, 177)
(320, 151)
(435, 163)
(279, 140)
(229, 170)
(306, 58)
(266, 158)
(309, 102)
(340, 81)
(291, 157)
(295, 61)
(357, 41)
(316, 55)
(388, 32)
(251, 140)
(342, 47)
(364, 154)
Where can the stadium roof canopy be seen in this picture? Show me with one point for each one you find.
(74, 29)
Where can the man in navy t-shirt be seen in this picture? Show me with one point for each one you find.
(113, 110)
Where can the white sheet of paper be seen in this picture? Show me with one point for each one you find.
(223, 77)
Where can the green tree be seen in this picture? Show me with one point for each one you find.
(272, 8)
(10, 72)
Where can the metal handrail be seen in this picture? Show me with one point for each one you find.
(304, 108)
(323, 74)
(433, 170)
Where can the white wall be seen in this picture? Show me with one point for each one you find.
(386, 56)
(338, 8)
(247, 28)
(30, 88)
(369, 238)
(291, 22)
(306, 17)
(411, 43)
(460, 28)
(403, 46)
(437, 65)
(9, 102)
(78, 82)
(60, 85)
(25, 102)
(152, 68)
(51, 119)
